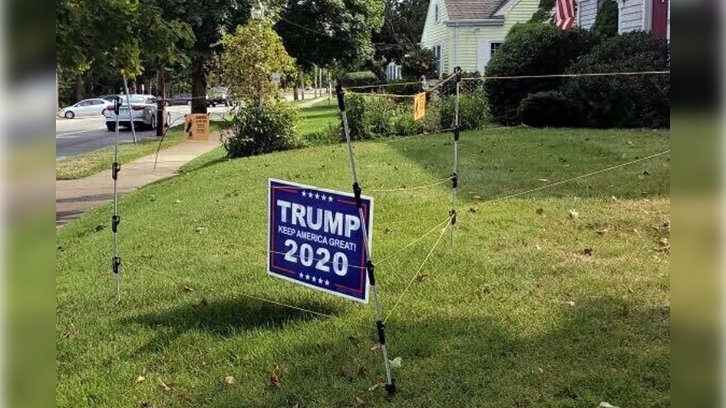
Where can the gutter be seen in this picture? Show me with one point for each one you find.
(482, 22)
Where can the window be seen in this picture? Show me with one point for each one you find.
(493, 47)
(436, 49)
(436, 13)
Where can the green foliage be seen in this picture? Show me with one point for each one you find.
(371, 117)
(632, 101)
(343, 30)
(544, 12)
(403, 87)
(402, 28)
(359, 78)
(258, 129)
(531, 49)
(251, 54)
(417, 63)
(606, 21)
(546, 108)
(473, 110)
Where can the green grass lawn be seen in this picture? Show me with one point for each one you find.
(92, 162)
(316, 118)
(532, 306)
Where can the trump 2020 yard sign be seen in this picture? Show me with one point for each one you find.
(315, 238)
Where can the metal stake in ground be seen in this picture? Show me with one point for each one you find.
(128, 104)
(370, 268)
(455, 161)
(116, 219)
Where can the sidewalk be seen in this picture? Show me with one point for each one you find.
(74, 197)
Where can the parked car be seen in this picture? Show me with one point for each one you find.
(86, 107)
(179, 99)
(218, 95)
(143, 113)
(109, 97)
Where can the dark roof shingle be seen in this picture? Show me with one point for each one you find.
(472, 9)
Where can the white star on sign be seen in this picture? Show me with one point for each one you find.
(327, 282)
(320, 281)
(307, 277)
(322, 197)
(304, 194)
(302, 275)
(330, 199)
(317, 196)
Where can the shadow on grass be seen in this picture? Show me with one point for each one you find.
(223, 318)
(498, 162)
(602, 350)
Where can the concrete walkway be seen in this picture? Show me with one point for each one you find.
(74, 197)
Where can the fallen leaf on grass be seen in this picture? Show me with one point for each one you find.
(539, 211)
(375, 347)
(188, 288)
(165, 386)
(603, 231)
(473, 210)
(387, 231)
(360, 400)
(543, 180)
(396, 362)
(201, 229)
(606, 405)
(276, 377)
(229, 380)
(375, 386)
(586, 252)
(421, 276)
(665, 246)
(140, 379)
(568, 302)
(573, 214)
(346, 375)
(177, 201)
(100, 227)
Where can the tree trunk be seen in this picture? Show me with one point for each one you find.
(78, 89)
(302, 84)
(199, 88)
(295, 96)
(160, 115)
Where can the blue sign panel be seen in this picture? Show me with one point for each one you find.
(315, 238)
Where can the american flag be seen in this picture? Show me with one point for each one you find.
(565, 14)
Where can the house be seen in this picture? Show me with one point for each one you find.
(467, 33)
(633, 15)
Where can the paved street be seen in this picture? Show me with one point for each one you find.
(82, 135)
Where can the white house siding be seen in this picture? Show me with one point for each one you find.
(587, 13)
(466, 40)
(436, 33)
(631, 16)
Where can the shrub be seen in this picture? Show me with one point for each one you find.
(622, 101)
(398, 87)
(544, 12)
(547, 108)
(332, 134)
(417, 63)
(259, 129)
(473, 111)
(606, 21)
(531, 49)
(372, 117)
(359, 78)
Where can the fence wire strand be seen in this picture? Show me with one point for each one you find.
(605, 170)
(413, 242)
(421, 187)
(436, 244)
(580, 75)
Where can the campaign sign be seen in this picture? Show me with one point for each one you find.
(315, 238)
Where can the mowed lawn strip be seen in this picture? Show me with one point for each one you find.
(92, 162)
(556, 298)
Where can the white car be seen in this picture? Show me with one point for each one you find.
(86, 107)
(143, 112)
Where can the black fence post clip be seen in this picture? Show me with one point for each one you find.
(116, 265)
(115, 168)
(452, 214)
(356, 191)
(391, 388)
(341, 97)
(454, 180)
(115, 221)
(371, 269)
(456, 133)
(117, 104)
(457, 71)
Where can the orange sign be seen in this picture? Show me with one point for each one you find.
(419, 105)
(197, 126)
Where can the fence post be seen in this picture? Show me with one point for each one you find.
(455, 166)
(370, 268)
